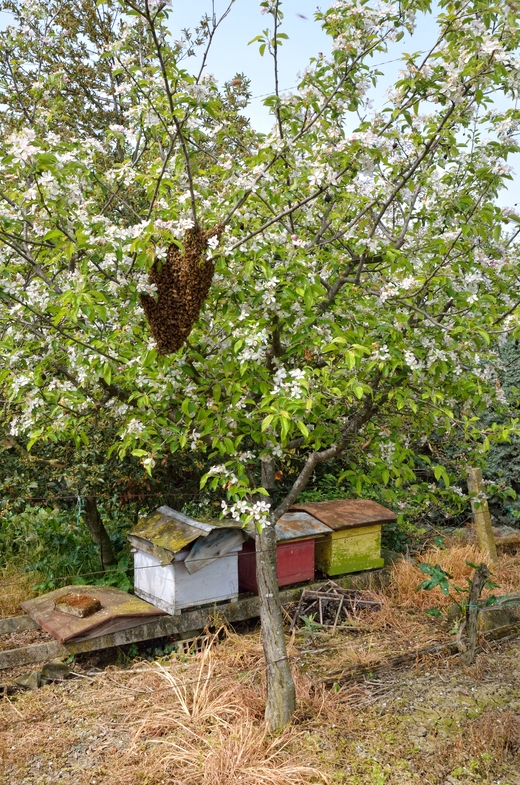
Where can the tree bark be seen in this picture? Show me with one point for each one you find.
(98, 532)
(481, 516)
(281, 694)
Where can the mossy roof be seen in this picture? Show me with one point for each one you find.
(173, 531)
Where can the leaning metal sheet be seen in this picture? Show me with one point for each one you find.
(119, 611)
(167, 532)
(172, 531)
(347, 513)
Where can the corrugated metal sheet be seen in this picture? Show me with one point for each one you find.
(347, 513)
(214, 546)
(171, 531)
(119, 611)
(296, 525)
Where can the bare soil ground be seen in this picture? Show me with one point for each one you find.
(198, 720)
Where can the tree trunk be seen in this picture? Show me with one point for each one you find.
(481, 515)
(281, 696)
(98, 532)
(281, 700)
(472, 610)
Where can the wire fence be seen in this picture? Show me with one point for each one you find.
(120, 571)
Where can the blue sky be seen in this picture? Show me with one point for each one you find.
(231, 52)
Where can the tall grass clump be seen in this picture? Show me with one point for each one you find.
(210, 730)
(55, 546)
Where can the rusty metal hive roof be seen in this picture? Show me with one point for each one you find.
(295, 525)
(341, 514)
(298, 524)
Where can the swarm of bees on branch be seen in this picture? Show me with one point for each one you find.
(183, 281)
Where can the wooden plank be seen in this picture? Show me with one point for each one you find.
(245, 608)
(481, 516)
(16, 624)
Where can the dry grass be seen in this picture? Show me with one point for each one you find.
(236, 754)
(496, 732)
(198, 720)
(211, 730)
(406, 576)
(15, 587)
(376, 637)
(198, 702)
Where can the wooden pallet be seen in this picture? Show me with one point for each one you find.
(181, 626)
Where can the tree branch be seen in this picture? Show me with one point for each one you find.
(347, 432)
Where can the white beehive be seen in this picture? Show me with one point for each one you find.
(172, 588)
(181, 563)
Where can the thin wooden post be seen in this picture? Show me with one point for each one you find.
(481, 516)
(477, 584)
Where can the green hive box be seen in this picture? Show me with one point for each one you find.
(351, 550)
(354, 543)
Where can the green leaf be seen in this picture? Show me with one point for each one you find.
(438, 578)
(303, 428)
(434, 612)
(107, 373)
(350, 358)
(266, 422)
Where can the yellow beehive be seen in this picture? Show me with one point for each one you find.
(354, 543)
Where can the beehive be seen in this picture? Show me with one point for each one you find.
(296, 534)
(354, 542)
(181, 563)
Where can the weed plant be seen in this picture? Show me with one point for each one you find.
(55, 544)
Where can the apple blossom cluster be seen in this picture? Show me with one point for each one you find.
(293, 383)
(246, 512)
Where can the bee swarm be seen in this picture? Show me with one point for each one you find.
(183, 283)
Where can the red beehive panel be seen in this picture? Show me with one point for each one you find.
(295, 563)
